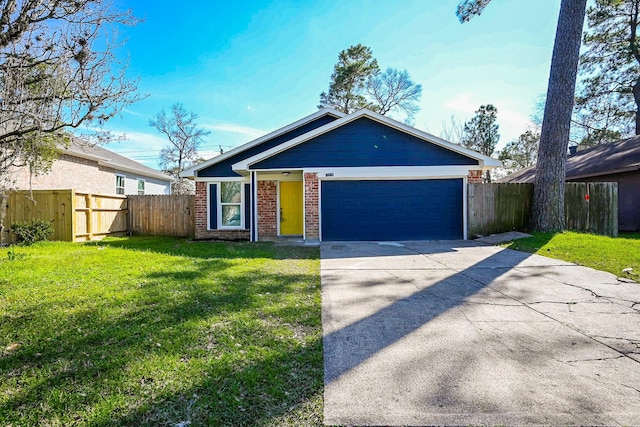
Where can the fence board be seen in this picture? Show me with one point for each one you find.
(74, 216)
(162, 215)
(501, 207)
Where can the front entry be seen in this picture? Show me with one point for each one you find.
(291, 218)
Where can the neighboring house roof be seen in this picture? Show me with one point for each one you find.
(606, 159)
(484, 161)
(191, 172)
(104, 157)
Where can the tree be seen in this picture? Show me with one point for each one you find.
(393, 91)
(548, 198)
(608, 103)
(357, 83)
(58, 72)
(184, 135)
(347, 88)
(481, 133)
(522, 152)
(453, 130)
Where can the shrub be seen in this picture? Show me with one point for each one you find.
(38, 230)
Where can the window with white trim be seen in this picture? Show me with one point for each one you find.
(141, 185)
(230, 204)
(120, 179)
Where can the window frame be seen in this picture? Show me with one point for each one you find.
(220, 204)
(144, 186)
(124, 184)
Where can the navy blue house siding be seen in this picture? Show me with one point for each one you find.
(364, 142)
(392, 210)
(224, 167)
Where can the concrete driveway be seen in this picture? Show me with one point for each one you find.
(458, 333)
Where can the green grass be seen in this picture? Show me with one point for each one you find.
(160, 331)
(610, 254)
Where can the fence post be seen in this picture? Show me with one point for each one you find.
(89, 206)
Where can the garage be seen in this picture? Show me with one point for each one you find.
(386, 210)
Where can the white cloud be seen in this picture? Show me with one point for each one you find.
(463, 102)
(245, 131)
(251, 108)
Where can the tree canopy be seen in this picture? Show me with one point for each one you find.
(356, 83)
(58, 72)
(481, 132)
(608, 100)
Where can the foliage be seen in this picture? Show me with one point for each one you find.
(29, 233)
(149, 331)
(481, 132)
(608, 102)
(58, 71)
(357, 83)
(347, 88)
(467, 9)
(612, 254)
(522, 152)
(184, 135)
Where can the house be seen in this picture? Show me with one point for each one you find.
(331, 176)
(615, 162)
(93, 169)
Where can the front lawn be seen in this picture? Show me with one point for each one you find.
(612, 254)
(160, 331)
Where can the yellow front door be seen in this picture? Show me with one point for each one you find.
(291, 208)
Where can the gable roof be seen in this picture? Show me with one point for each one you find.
(104, 157)
(191, 172)
(616, 157)
(485, 161)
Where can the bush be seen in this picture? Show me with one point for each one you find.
(38, 230)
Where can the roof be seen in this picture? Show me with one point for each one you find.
(104, 157)
(606, 159)
(485, 161)
(191, 172)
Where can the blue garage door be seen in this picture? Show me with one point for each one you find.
(392, 210)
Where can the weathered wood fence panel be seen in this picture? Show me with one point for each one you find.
(501, 207)
(162, 215)
(496, 208)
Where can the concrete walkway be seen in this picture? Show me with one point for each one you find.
(458, 333)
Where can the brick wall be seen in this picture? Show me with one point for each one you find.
(201, 213)
(311, 215)
(70, 172)
(267, 209)
(475, 177)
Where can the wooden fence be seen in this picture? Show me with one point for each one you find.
(162, 215)
(75, 216)
(500, 207)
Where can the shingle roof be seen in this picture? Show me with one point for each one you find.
(81, 148)
(616, 157)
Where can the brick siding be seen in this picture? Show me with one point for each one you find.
(267, 209)
(201, 219)
(475, 177)
(70, 172)
(311, 215)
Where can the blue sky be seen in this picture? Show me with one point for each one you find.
(247, 68)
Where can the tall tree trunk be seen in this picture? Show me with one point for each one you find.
(636, 97)
(3, 212)
(548, 195)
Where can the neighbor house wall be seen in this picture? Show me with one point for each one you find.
(70, 172)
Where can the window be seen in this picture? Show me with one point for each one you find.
(119, 184)
(141, 187)
(230, 204)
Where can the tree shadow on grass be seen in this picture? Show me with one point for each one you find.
(209, 249)
(209, 344)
